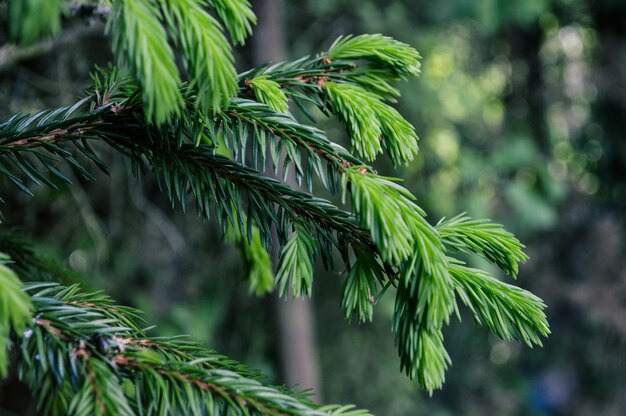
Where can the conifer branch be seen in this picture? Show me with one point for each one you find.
(393, 243)
(113, 368)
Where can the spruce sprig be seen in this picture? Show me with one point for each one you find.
(82, 355)
(356, 107)
(269, 92)
(237, 16)
(295, 267)
(360, 286)
(508, 311)
(485, 238)
(372, 124)
(399, 56)
(141, 46)
(208, 57)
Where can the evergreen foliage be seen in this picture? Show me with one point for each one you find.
(15, 307)
(34, 19)
(206, 141)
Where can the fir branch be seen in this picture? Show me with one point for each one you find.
(101, 392)
(302, 78)
(395, 222)
(375, 81)
(179, 166)
(424, 302)
(248, 119)
(212, 392)
(399, 137)
(257, 262)
(354, 93)
(423, 357)
(425, 296)
(197, 168)
(43, 137)
(347, 410)
(431, 290)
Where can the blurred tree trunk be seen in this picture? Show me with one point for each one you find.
(294, 319)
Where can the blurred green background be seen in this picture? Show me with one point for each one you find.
(521, 109)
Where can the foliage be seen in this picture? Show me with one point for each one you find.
(85, 355)
(503, 134)
(15, 309)
(95, 358)
(36, 18)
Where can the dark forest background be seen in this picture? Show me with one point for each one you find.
(521, 110)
